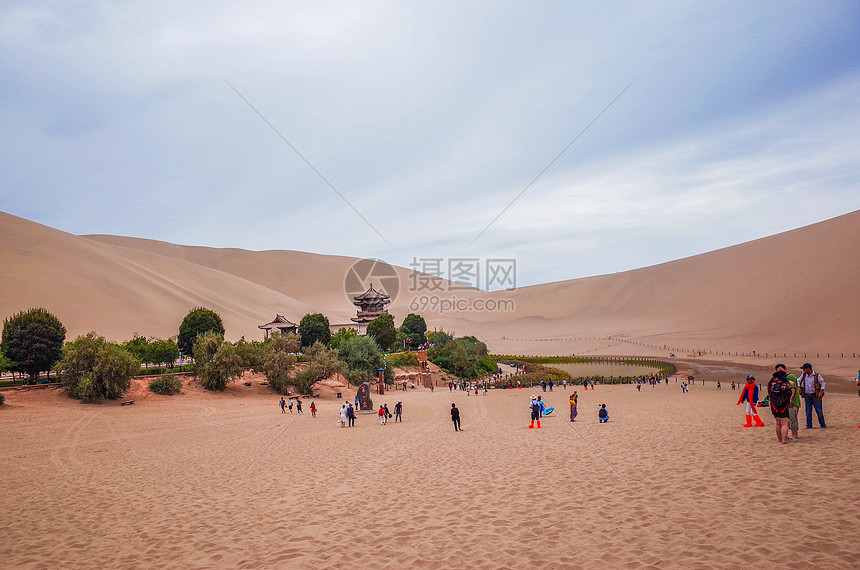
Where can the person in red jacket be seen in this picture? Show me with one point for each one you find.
(749, 395)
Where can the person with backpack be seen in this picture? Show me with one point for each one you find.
(603, 414)
(779, 393)
(812, 388)
(794, 408)
(749, 396)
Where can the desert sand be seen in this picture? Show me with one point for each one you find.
(227, 480)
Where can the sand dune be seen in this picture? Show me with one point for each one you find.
(788, 293)
(118, 291)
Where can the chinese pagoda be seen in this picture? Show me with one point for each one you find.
(371, 304)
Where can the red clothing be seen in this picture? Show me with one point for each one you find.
(749, 393)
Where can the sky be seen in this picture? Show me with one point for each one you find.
(402, 130)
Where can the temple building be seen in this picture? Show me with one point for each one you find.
(371, 304)
(280, 325)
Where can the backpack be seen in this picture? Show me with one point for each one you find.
(779, 392)
(602, 413)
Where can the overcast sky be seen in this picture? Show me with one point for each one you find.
(742, 120)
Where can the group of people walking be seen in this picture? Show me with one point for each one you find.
(785, 392)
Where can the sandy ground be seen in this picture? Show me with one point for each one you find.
(226, 480)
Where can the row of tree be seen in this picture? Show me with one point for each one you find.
(93, 368)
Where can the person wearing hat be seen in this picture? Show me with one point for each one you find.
(749, 396)
(534, 406)
(812, 388)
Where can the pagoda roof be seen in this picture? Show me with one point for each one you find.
(372, 295)
(279, 320)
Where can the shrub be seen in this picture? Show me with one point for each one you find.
(2, 399)
(217, 362)
(322, 363)
(402, 360)
(361, 354)
(33, 341)
(277, 360)
(167, 385)
(94, 369)
(341, 336)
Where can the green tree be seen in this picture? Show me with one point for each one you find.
(5, 363)
(362, 357)
(439, 338)
(382, 330)
(322, 362)
(198, 321)
(217, 361)
(413, 328)
(249, 353)
(278, 359)
(33, 340)
(163, 351)
(94, 369)
(314, 328)
(341, 336)
(465, 356)
(138, 347)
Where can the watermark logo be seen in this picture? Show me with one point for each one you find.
(431, 274)
(365, 272)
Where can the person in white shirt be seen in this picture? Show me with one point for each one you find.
(812, 389)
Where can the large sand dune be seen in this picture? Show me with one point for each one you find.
(789, 293)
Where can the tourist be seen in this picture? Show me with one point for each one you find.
(794, 408)
(718, 385)
(812, 387)
(603, 414)
(592, 384)
(550, 385)
(564, 383)
(573, 413)
(290, 405)
(383, 416)
(455, 417)
(356, 402)
(283, 405)
(313, 409)
(749, 396)
(342, 421)
(779, 393)
(638, 387)
(350, 415)
(534, 407)
(398, 409)
(299, 405)
(733, 385)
